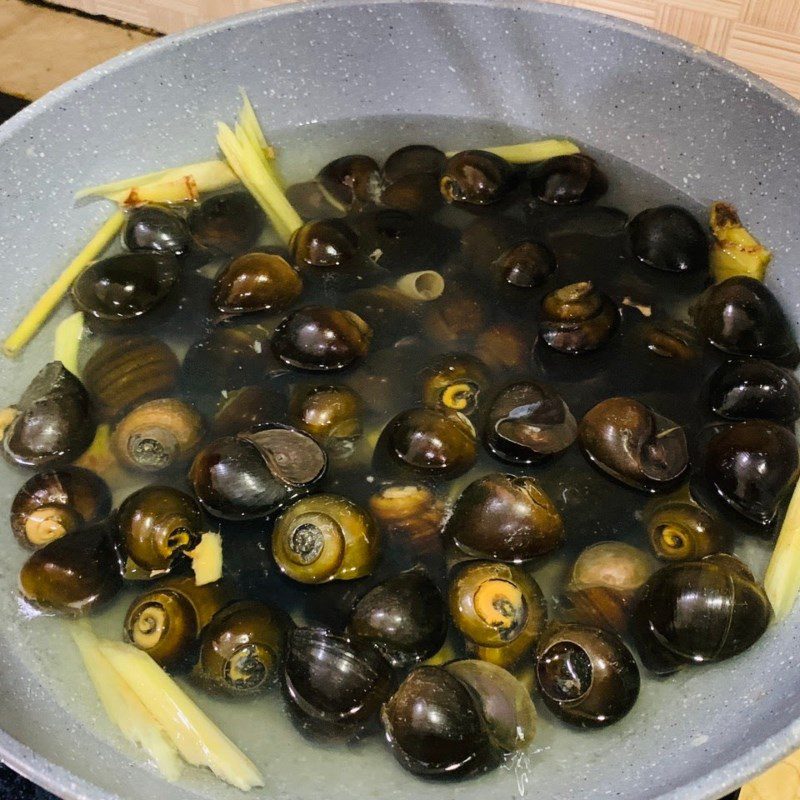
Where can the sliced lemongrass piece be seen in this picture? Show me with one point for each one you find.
(204, 176)
(198, 739)
(68, 341)
(123, 707)
(207, 559)
(425, 285)
(47, 303)
(246, 161)
(99, 457)
(734, 250)
(251, 126)
(782, 579)
(530, 152)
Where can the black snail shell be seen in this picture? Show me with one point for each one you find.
(527, 422)
(495, 604)
(568, 180)
(435, 728)
(755, 389)
(476, 177)
(53, 503)
(586, 676)
(126, 370)
(227, 224)
(156, 228)
(257, 472)
(416, 193)
(166, 620)
(405, 616)
(669, 238)
(121, 288)
(414, 159)
(428, 442)
(742, 317)
(577, 318)
(331, 414)
(244, 408)
(680, 529)
(325, 537)
(156, 524)
(74, 574)
(335, 685)
(454, 382)
(241, 649)
(52, 423)
(325, 244)
(351, 179)
(699, 611)
(507, 517)
(752, 466)
(634, 444)
(321, 339)
(256, 282)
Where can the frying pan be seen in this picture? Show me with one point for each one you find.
(703, 126)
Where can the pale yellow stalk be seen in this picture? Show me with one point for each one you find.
(47, 303)
(67, 341)
(531, 152)
(782, 580)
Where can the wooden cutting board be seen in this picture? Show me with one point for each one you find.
(761, 35)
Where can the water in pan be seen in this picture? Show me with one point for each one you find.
(590, 249)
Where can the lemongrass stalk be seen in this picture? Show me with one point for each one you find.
(249, 121)
(68, 341)
(123, 707)
(530, 152)
(47, 303)
(782, 580)
(246, 162)
(208, 176)
(180, 190)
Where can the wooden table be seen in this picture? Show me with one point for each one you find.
(761, 35)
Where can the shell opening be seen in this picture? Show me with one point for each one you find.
(461, 396)
(250, 667)
(671, 540)
(153, 449)
(149, 626)
(181, 539)
(306, 542)
(501, 605)
(48, 523)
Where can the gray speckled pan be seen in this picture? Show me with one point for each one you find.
(698, 123)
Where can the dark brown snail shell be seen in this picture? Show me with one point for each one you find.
(53, 422)
(412, 514)
(505, 703)
(669, 238)
(331, 414)
(122, 288)
(335, 685)
(325, 537)
(751, 466)
(494, 604)
(156, 524)
(414, 159)
(256, 282)
(453, 317)
(435, 728)
(741, 317)
(351, 179)
(405, 616)
(755, 389)
(586, 676)
(568, 180)
(74, 574)
(476, 177)
(428, 442)
(256, 472)
(603, 584)
(699, 611)
(227, 224)
(157, 435)
(241, 649)
(312, 201)
(528, 422)
(156, 228)
(325, 244)
(127, 370)
(679, 529)
(321, 339)
(673, 340)
(634, 444)
(242, 409)
(54, 503)
(166, 620)
(454, 382)
(416, 193)
(577, 318)
(507, 517)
